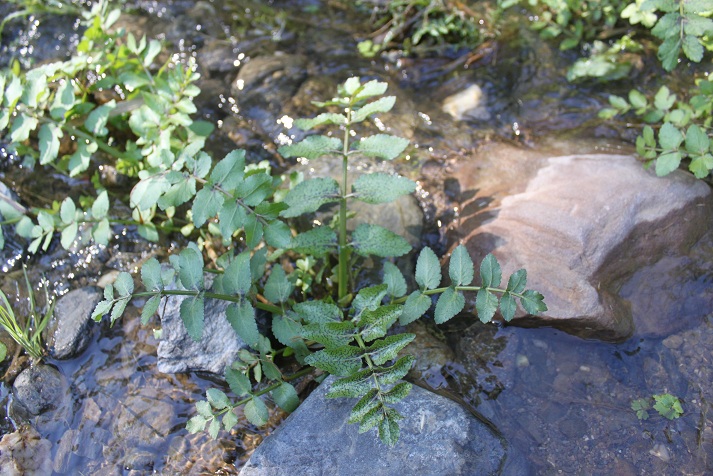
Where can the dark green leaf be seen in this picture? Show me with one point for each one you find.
(389, 430)
(241, 316)
(278, 288)
(381, 187)
(318, 312)
(384, 146)
(486, 303)
(387, 348)
(192, 315)
(354, 386)
(668, 52)
(369, 298)
(692, 48)
(309, 195)
(286, 397)
(428, 269)
(341, 361)
(230, 171)
(415, 306)
(330, 334)
(398, 393)
(254, 189)
(394, 280)
(278, 234)
(490, 272)
(231, 217)
(150, 308)
(190, 270)
(378, 241)
(397, 371)
(318, 241)
(237, 277)
(533, 302)
(253, 231)
(312, 147)
(289, 332)
(517, 281)
(376, 323)
(460, 268)
(508, 306)
(364, 406)
(450, 303)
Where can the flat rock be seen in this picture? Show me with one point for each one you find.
(25, 452)
(217, 349)
(438, 437)
(71, 329)
(581, 224)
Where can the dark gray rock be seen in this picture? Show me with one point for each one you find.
(438, 437)
(37, 390)
(178, 352)
(580, 224)
(72, 329)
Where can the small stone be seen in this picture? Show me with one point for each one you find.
(522, 361)
(673, 342)
(467, 103)
(39, 389)
(71, 329)
(661, 451)
(26, 453)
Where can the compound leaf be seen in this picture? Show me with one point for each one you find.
(340, 361)
(256, 411)
(450, 303)
(428, 269)
(486, 303)
(533, 302)
(317, 241)
(415, 306)
(286, 397)
(490, 272)
(460, 268)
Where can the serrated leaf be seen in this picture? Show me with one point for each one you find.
(389, 430)
(257, 264)
(100, 207)
(369, 297)
(692, 48)
(190, 270)
(97, 119)
(364, 406)
(102, 308)
(150, 308)
(231, 217)
(278, 288)
(668, 52)
(486, 303)
(378, 241)
(124, 285)
(490, 272)
(49, 142)
(381, 187)
(253, 231)
(318, 312)
(217, 398)
(256, 412)
(312, 147)
(237, 276)
(637, 99)
(371, 418)
(151, 275)
(230, 419)
(384, 146)
(415, 306)
(397, 393)
(206, 205)
(667, 163)
(517, 281)
(254, 189)
(388, 348)
(368, 89)
(309, 195)
(317, 241)
(196, 423)
(394, 280)
(668, 406)
(239, 382)
(192, 314)
(289, 332)
(533, 302)
(324, 118)
(278, 234)
(381, 105)
(241, 317)
(460, 268)
(340, 361)
(428, 269)
(354, 386)
(330, 334)
(146, 193)
(396, 372)
(118, 309)
(21, 128)
(697, 141)
(701, 165)
(450, 303)
(229, 171)
(664, 100)
(286, 397)
(508, 306)
(376, 323)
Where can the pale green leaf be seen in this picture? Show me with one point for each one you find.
(97, 119)
(428, 269)
(237, 277)
(286, 397)
(368, 89)
(384, 104)
(324, 118)
(490, 272)
(289, 332)
(460, 268)
(486, 303)
(151, 275)
(49, 142)
(330, 334)
(692, 48)
(697, 141)
(667, 163)
(100, 232)
(231, 217)
(241, 316)
(68, 235)
(309, 195)
(384, 146)
(378, 241)
(196, 423)
(381, 187)
(312, 147)
(151, 52)
(217, 398)
(124, 284)
(415, 306)
(192, 314)
(369, 298)
(701, 165)
(278, 288)
(67, 211)
(21, 128)
(389, 430)
(230, 419)
(450, 303)
(100, 207)
(256, 412)
(394, 279)
(254, 189)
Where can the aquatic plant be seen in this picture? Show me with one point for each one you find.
(667, 405)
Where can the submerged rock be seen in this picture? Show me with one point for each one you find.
(26, 453)
(580, 224)
(39, 389)
(438, 437)
(71, 329)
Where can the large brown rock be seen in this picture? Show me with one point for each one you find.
(580, 224)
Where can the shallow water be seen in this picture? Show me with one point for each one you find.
(564, 402)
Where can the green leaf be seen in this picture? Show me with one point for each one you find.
(701, 165)
(153, 50)
(190, 270)
(254, 189)
(97, 119)
(664, 100)
(67, 211)
(286, 397)
(100, 207)
(150, 308)
(668, 52)
(68, 235)
(394, 280)
(151, 275)
(668, 406)
(278, 234)
(256, 412)
(102, 308)
(317, 241)
(369, 298)
(13, 92)
(21, 128)
(508, 306)
(324, 118)
(381, 187)
(376, 323)
(388, 348)
(354, 386)
(389, 429)
(192, 310)
(366, 404)
(242, 317)
(100, 232)
(697, 141)
(637, 99)
(231, 217)
(217, 398)
(146, 193)
(278, 288)
(517, 281)
(312, 147)
(206, 205)
(239, 382)
(397, 393)
(196, 423)
(670, 137)
(289, 332)
(237, 276)
(368, 89)
(49, 142)
(230, 171)
(384, 104)
(486, 303)
(309, 195)
(460, 268)
(533, 302)
(667, 163)
(692, 48)
(396, 372)
(490, 272)
(230, 419)
(330, 334)
(340, 361)
(384, 146)
(640, 406)
(372, 418)
(450, 303)
(204, 409)
(415, 306)
(428, 269)
(318, 312)
(378, 241)
(124, 284)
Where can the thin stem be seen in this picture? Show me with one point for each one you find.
(343, 250)
(429, 292)
(224, 297)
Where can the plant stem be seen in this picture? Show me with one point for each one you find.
(429, 292)
(224, 297)
(343, 250)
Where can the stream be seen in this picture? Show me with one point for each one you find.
(564, 402)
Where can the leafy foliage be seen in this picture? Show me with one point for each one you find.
(667, 405)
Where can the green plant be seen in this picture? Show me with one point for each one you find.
(342, 331)
(667, 405)
(29, 336)
(425, 24)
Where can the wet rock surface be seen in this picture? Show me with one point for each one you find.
(26, 453)
(72, 329)
(437, 437)
(581, 225)
(39, 389)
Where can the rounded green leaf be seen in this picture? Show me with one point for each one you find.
(381, 187)
(378, 241)
(460, 268)
(490, 272)
(286, 397)
(450, 303)
(428, 269)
